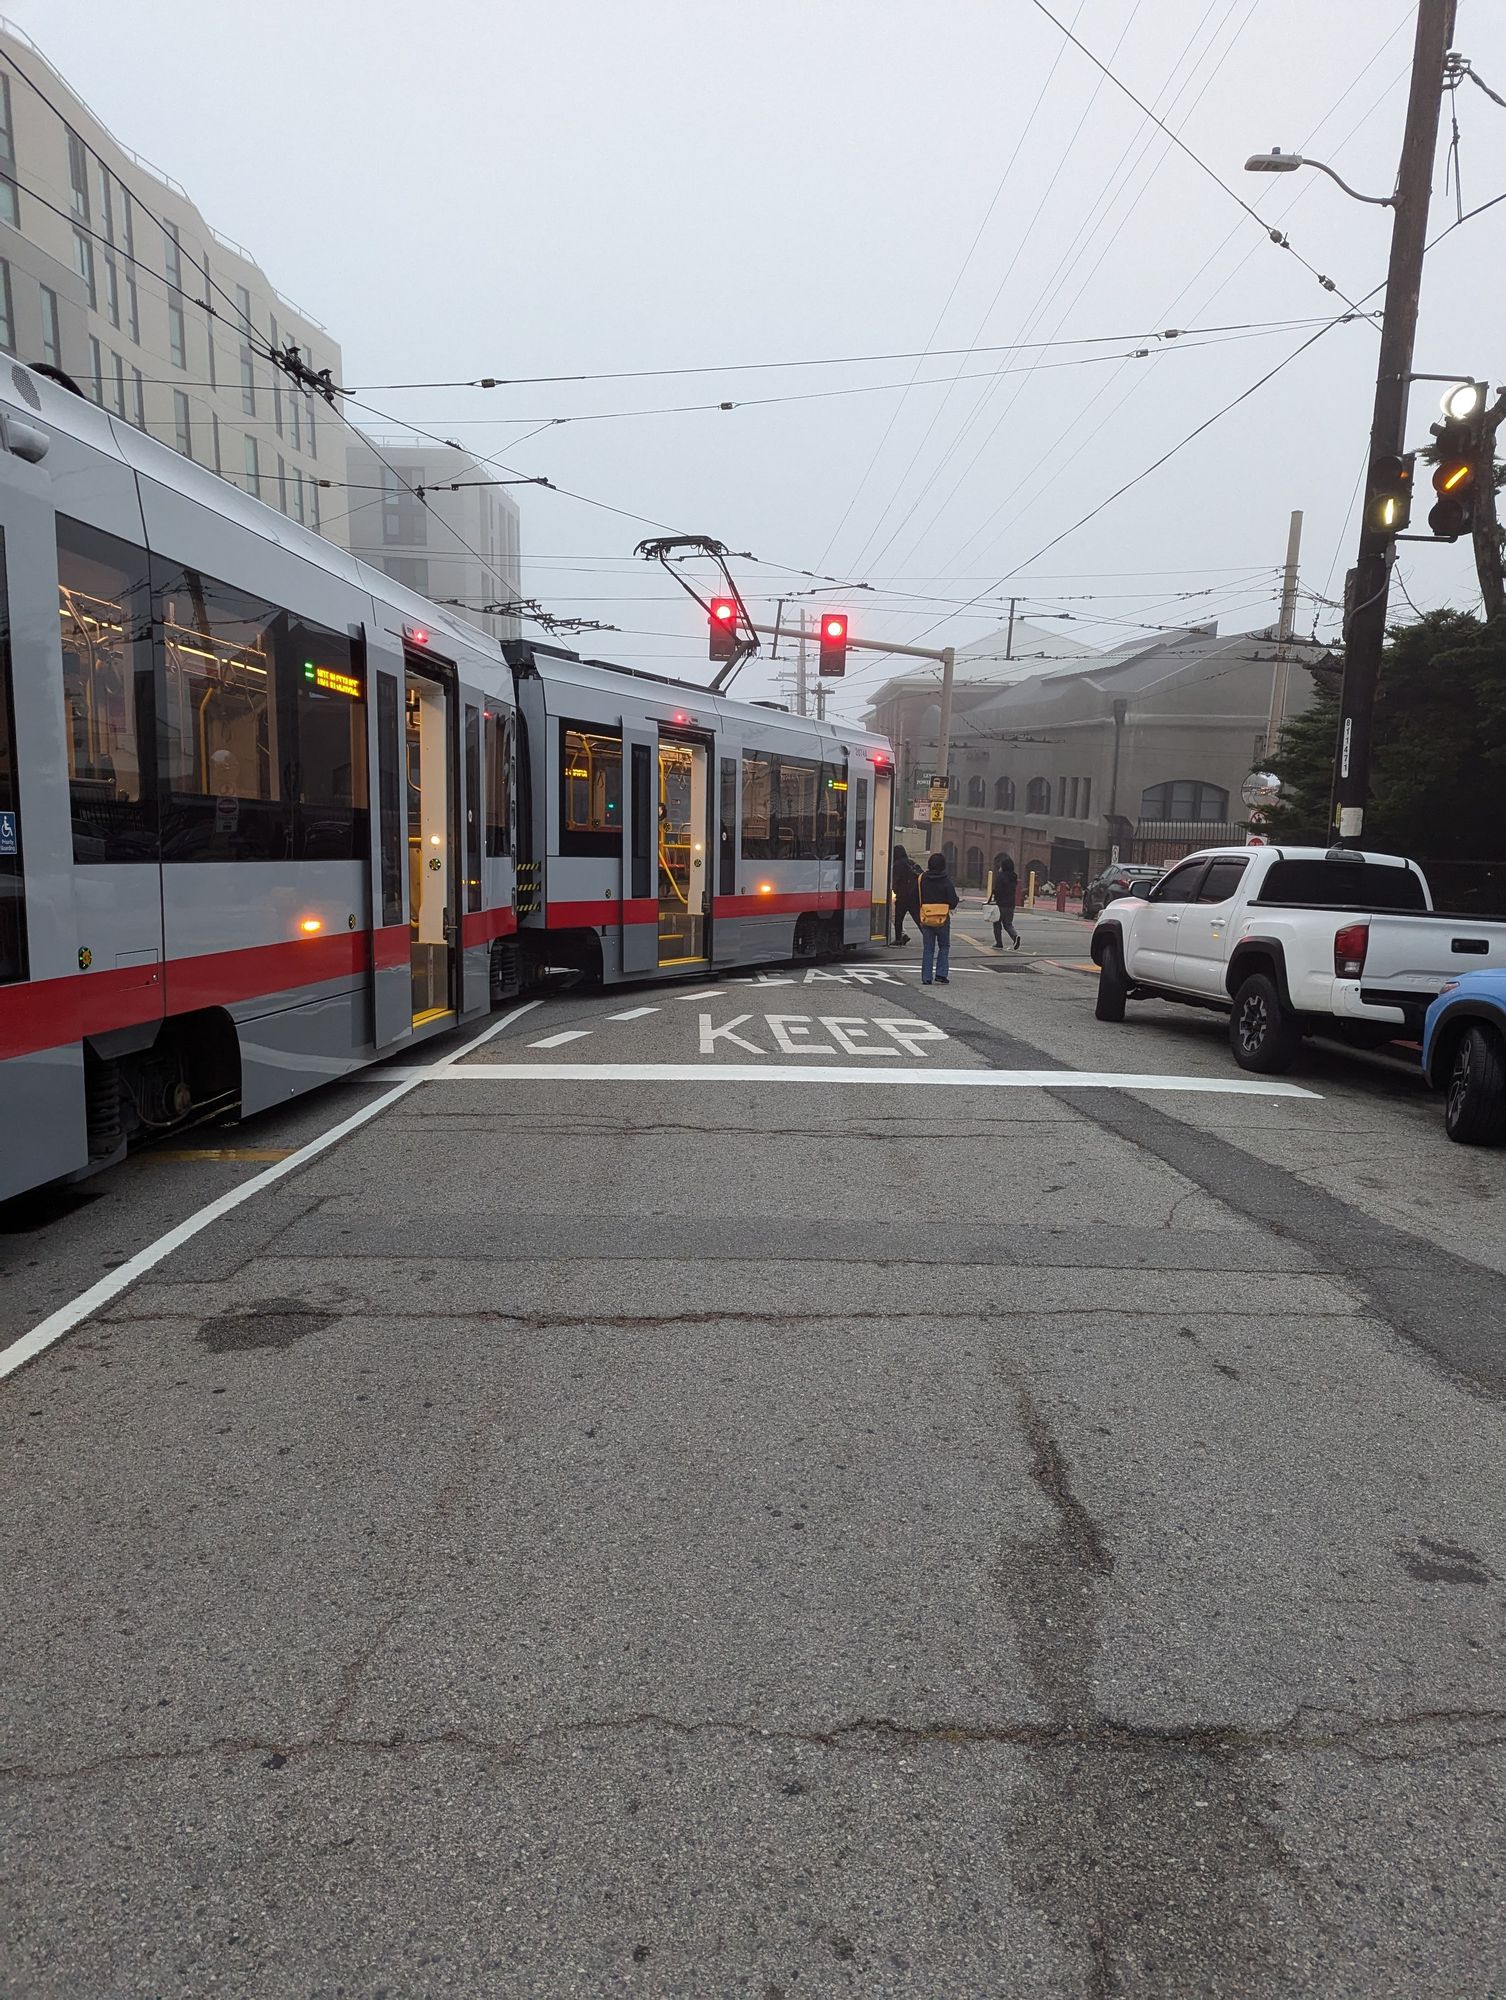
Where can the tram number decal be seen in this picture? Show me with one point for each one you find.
(851, 1035)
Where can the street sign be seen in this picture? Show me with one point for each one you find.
(938, 812)
(940, 789)
(7, 833)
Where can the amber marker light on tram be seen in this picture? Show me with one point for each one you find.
(766, 888)
(308, 925)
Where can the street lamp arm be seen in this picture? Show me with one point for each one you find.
(1375, 200)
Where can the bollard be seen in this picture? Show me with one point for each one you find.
(1030, 891)
(1061, 897)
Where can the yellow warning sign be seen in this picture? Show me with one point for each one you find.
(938, 813)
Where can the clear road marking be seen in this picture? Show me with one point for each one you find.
(558, 1041)
(56, 1324)
(632, 1014)
(770, 1072)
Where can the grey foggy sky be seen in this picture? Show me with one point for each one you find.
(465, 189)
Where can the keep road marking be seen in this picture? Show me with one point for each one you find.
(974, 1079)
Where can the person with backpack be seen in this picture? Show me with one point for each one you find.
(905, 878)
(938, 899)
(1004, 893)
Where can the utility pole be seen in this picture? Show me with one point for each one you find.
(943, 744)
(1367, 624)
(1281, 673)
(802, 686)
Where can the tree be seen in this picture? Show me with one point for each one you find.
(1439, 757)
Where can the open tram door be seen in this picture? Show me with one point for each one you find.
(684, 851)
(882, 850)
(433, 873)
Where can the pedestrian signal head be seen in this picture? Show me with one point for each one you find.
(1388, 508)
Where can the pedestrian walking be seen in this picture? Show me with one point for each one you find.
(1004, 894)
(905, 877)
(938, 899)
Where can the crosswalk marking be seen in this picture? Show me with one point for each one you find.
(772, 1072)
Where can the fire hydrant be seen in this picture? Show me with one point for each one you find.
(1061, 897)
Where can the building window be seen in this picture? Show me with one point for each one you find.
(182, 425)
(106, 206)
(248, 368)
(276, 384)
(1184, 799)
(177, 339)
(1004, 795)
(117, 383)
(1038, 795)
(10, 205)
(295, 481)
(7, 311)
(1087, 798)
(96, 383)
(253, 468)
(128, 244)
(52, 333)
(138, 399)
(214, 379)
(314, 504)
(410, 571)
(214, 432)
(83, 263)
(112, 290)
(78, 176)
(976, 794)
(133, 310)
(308, 411)
(282, 484)
(974, 876)
(293, 425)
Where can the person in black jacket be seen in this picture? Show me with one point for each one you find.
(936, 939)
(1003, 891)
(905, 878)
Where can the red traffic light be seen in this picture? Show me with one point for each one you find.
(833, 661)
(723, 628)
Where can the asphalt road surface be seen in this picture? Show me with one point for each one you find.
(784, 1486)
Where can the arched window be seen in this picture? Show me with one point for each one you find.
(950, 851)
(976, 796)
(1038, 795)
(1004, 795)
(975, 867)
(1184, 799)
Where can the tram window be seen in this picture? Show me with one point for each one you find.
(590, 789)
(832, 826)
(225, 796)
(472, 807)
(498, 784)
(12, 886)
(645, 822)
(799, 784)
(779, 807)
(107, 694)
(325, 670)
(390, 799)
(758, 803)
(727, 873)
(860, 845)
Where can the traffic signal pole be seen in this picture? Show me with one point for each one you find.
(1366, 636)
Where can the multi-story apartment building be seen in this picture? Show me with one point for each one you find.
(459, 543)
(110, 273)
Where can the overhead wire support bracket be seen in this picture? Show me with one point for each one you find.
(661, 548)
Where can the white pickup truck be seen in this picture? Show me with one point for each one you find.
(1290, 941)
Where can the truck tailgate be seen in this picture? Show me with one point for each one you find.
(1414, 955)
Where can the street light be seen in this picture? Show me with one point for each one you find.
(1277, 162)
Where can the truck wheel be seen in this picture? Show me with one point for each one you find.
(1113, 987)
(1263, 1036)
(1474, 1111)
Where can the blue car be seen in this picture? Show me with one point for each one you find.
(1464, 1055)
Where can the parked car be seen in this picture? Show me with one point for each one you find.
(1287, 941)
(1464, 1056)
(1120, 878)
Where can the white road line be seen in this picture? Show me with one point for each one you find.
(702, 993)
(772, 1072)
(632, 1014)
(56, 1324)
(558, 1041)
